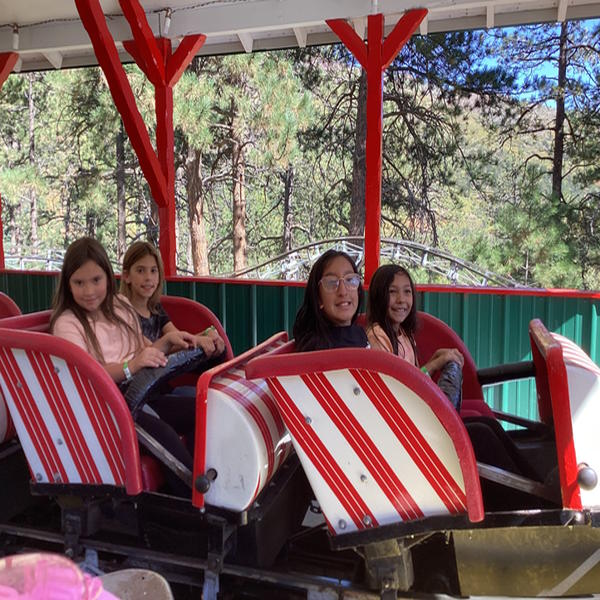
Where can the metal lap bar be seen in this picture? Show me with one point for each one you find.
(518, 482)
(164, 456)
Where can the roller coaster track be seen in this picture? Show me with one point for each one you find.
(431, 265)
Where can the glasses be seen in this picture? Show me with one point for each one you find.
(331, 284)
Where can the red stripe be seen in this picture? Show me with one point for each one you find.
(104, 428)
(321, 458)
(63, 413)
(258, 419)
(10, 377)
(32, 418)
(108, 431)
(413, 441)
(50, 393)
(424, 456)
(238, 375)
(363, 446)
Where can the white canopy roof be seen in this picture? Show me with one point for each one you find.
(50, 33)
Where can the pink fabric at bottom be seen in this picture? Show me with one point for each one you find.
(43, 576)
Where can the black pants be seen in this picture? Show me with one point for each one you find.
(493, 446)
(177, 417)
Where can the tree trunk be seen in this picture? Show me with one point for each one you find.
(559, 132)
(33, 208)
(195, 194)
(357, 206)
(121, 205)
(90, 224)
(152, 222)
(238, 168)
(67, 218)
(288, 216)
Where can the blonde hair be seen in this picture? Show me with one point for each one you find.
(136, 252)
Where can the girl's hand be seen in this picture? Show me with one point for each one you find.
(147, 357)
(212, 343)
(175, 340)
(214, 334)
(180, 340)
(442, 356)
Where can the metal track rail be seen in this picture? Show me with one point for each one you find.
(181, 569)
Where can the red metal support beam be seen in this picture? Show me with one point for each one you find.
(144, 40)
(375, 57)
(2, 265)
(163, 69)
(165, 144)
(94, 22)
(7, 62)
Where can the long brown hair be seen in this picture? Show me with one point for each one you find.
(78, 253)
(378, 301)
(135, 252)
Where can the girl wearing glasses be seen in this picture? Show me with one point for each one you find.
(332, 300)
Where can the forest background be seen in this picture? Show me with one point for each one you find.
(491, 152)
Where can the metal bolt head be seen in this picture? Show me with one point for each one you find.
(59, 442)
(38, 476)
(56, 369)
(19, 385)
(308, 420)
(363, 477)
(341, 524)
(587, 478)
(356, 391)
(367, 520)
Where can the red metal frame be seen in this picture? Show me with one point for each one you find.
(163, 69)
(554, 407)
(375, 57)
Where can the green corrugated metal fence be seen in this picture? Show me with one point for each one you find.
(492, 324)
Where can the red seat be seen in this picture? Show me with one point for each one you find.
(8, 307)
(432, 334)
(189, 315)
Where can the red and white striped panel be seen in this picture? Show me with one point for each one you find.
(67, 433)
(360, 436)
(246, 439)
(583, 377)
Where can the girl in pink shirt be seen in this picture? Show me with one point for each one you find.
(392, 319)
